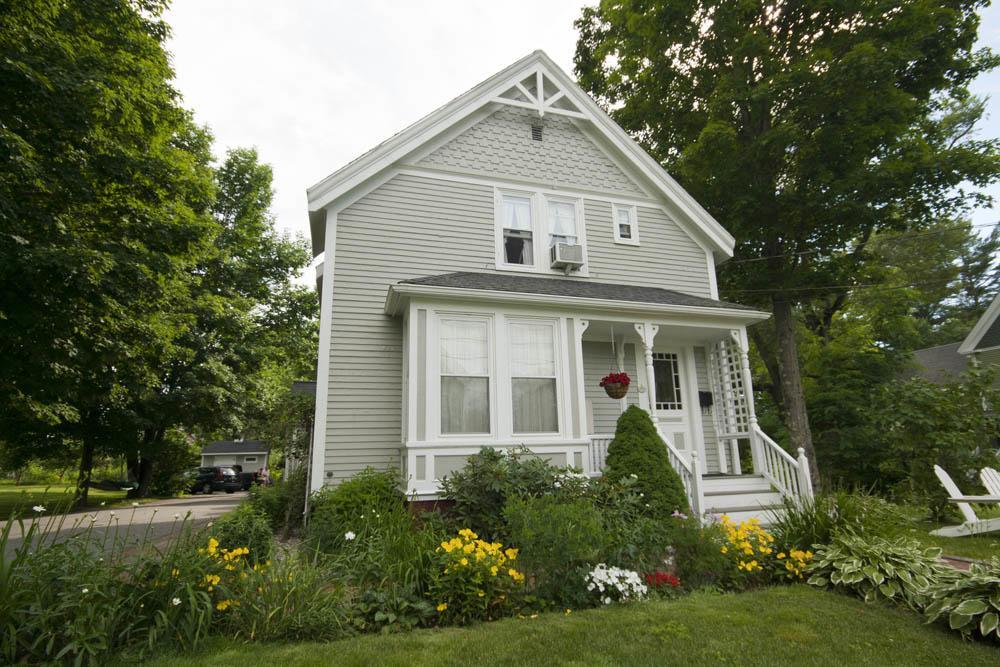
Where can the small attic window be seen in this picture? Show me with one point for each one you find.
(536, 132)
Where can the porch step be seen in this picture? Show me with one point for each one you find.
(762, 514)
(725, 500)
(740, 497)
(735, 483)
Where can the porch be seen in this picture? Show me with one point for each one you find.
(509, 361)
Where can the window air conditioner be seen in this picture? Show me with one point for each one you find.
(566, 256)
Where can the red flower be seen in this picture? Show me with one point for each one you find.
(616, 378)
(660, 578)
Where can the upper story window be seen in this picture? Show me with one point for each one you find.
(562, 222)
(626, 225)
(518, 229)
(529, 224)
(465, 375)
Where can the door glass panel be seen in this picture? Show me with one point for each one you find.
(666, 373)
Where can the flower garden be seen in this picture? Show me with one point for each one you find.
(516, 538)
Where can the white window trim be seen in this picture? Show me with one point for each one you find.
(539, 230)
(634, 215)
(433, 404)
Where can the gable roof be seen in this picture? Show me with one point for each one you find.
(505, 87)
(986, 333)
(236, 447)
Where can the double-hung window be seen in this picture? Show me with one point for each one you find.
(625, 224)
(533, 377)
(562, 222)
(465, 375)
(518, 229)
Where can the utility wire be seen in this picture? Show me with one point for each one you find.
(897, 238)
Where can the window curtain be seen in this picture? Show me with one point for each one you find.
(533, 382)
(562, 222)
(517, 213)
(465, 382)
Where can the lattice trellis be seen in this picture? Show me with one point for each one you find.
(731, 412)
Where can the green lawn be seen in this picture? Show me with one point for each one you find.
(794, 625)
(980, 547)
(54, 497)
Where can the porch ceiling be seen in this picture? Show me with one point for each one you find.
(602, 330)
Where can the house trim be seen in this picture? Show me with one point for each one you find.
(634, 217)
(317, 470)
(399, 146)
(969, 345)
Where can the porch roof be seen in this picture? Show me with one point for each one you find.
(501, 286)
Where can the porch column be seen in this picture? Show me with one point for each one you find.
(740, 337)
(581, 426)
(647, 332)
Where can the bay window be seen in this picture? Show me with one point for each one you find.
(533, 377)
(465, 375)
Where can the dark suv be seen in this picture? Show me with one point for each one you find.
(214, 478)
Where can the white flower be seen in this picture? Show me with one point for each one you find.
(135, 504)
(209, 524)
(175, 601)
(607, 600)
(557, 484)
(634, 476)
(103, 502)
(85, 591)
(39, 508)
(679, 515)
(349, 535)
(177, 516)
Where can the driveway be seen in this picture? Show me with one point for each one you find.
(155, 521)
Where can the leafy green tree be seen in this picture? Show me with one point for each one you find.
(805, 127)
(637, 449)
(104, 211)
(919, 424)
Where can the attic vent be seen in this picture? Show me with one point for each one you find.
(536, 132)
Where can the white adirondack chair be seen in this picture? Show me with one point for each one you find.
(991, 480)
(973, 524)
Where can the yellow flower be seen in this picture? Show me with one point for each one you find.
(494, 570)
(223, 605)
(464, 561)
(175, 572)
(511, 553)
(725, 550)
(781, 555)
(442, 606)
(213, 545)
(481, 593)
(469, 548)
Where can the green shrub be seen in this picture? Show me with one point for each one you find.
(696, 553)
(637, 449)
(337, 510)
(283, 501)
(245, 526)
(876, 569)
(557, 539)
(177, 455)
(481, 489)
(635, 539)
(807, 523)
(969, 602)
(391, 610)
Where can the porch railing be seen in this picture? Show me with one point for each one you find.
(599, 452)
(788, 474)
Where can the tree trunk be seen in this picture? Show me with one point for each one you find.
(140, 465)
(796, 415)
(86, 467)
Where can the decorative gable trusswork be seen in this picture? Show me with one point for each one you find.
(505, 143)
(553, 99)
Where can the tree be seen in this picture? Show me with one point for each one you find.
(805, 127)
(250, 325)
(637, 449)
(104, 210)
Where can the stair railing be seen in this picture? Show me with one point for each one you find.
(788, 474)
(690, 473)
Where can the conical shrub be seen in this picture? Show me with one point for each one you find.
(637, 449)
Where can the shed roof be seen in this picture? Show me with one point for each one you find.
(236, 447)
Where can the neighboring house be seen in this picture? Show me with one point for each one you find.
(251, 455)
(485, 267)
(982, 345)
(940, 364)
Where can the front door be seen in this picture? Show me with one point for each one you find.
(672, 399)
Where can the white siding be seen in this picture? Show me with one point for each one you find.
(502, 144)
(707, 424)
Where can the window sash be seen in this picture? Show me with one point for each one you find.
(464, 376)
(533, 377)
(562, 222)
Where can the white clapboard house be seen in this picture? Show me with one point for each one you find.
(482, 271)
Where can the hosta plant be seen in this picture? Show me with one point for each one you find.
(877, 569)
(969, 602)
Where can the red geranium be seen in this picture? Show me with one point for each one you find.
(659, 578)
(616, 378)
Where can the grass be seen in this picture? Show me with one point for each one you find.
(55, 497)
(794, 625)
(978, 547)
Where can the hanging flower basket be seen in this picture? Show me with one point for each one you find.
(616, 384)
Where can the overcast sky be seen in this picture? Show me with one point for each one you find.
(312, 84)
